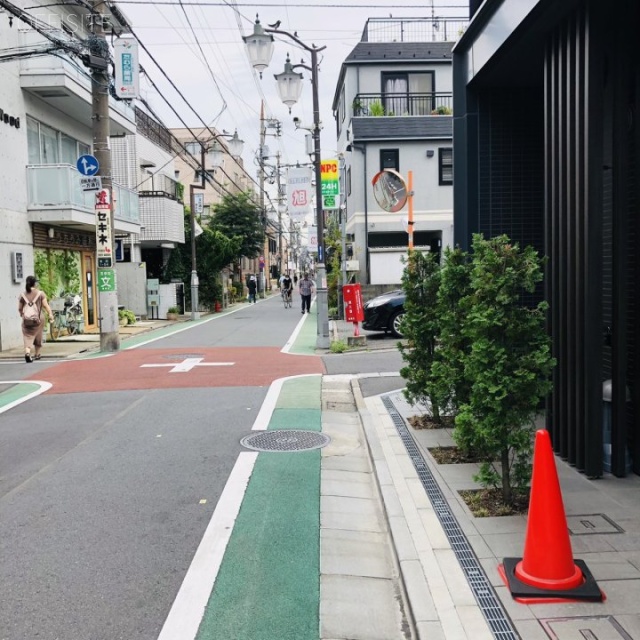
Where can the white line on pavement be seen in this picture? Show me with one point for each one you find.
(187, 611)
(43, 386)
(188, 364)
(269, 404)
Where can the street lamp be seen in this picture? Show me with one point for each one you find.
(260, 50)
(212, 156)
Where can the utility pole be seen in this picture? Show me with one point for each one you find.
(279, 214)
(265, 244)
(195, 303)
(100, 81)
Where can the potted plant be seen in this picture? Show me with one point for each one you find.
(376, 108)
(126, 316)
(173, 313)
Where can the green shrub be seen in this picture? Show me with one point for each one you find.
(338, 346)
(175, 310)
(128, 315)
(508, 363)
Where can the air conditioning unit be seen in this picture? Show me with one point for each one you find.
(17, 266)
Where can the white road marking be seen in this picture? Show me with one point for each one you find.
(188, 364)
(266, 410)
(43, 386)
(292, 338)
(187, 610)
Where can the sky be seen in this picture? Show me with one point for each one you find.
(221, 84)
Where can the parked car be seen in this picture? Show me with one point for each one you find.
(384, 313)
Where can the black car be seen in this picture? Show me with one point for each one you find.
(384, 313)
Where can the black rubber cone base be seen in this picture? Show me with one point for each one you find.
(588, 591)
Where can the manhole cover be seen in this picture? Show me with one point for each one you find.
(285, 440)
(591, 523)
(182, 356)
(589, 627)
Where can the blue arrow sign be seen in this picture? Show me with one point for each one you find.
(87, 165)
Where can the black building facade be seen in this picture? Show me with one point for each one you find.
(547, 150)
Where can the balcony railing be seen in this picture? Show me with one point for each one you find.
(402, 104)
(163, 187)
(57, 186)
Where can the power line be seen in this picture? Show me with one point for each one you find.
(310, 5)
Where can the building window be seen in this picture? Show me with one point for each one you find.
(193, 148)
(445, 166)
(47, 145)
(408, 93)
(389, 159)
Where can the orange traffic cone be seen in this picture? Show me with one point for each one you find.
(547, 572)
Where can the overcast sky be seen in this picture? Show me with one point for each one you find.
(219, 28)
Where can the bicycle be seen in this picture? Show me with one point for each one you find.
(68, 320)
(286, 298)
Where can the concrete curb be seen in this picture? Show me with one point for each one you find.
(386, 496)
(439, 599)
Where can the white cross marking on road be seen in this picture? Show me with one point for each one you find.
(190, 363)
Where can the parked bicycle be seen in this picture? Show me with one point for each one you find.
(69, 319)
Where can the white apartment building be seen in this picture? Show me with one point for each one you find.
(393, 105)
(47, 223)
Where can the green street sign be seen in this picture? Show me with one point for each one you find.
(329, 202)
(106, 280)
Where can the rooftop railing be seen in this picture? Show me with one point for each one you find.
(434, 29)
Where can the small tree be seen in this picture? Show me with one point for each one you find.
(421, 328)
(509, 362)
(238, 216)
(452, 302)
(214, 251)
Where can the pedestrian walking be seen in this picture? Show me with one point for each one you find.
(306, 289)
(30, 305)
(253, 288)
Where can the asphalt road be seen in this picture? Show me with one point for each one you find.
(109, 479)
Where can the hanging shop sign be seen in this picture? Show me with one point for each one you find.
(330, 181)
(127, 84)
(299, 192)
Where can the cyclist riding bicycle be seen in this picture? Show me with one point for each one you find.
(286, 286)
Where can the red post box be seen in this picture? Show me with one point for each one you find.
(353, 307)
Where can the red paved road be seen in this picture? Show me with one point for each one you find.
(255, 366)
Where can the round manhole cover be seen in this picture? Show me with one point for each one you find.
(285, 440)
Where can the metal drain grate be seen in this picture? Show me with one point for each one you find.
(486, 597)
(286, 440)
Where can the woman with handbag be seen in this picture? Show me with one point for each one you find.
(30, 305)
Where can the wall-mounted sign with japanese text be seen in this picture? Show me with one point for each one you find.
(125, 52)
(104, 245)
(312, 243)
(298, 192)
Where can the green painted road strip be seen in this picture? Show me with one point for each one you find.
(268, 586)
(20, 391)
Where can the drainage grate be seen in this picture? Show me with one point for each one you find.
(286, 440)
(486, 597)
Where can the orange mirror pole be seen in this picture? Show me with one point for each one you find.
(410, 212)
